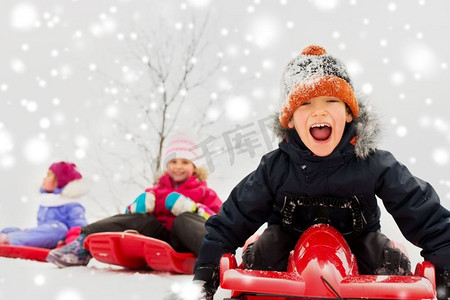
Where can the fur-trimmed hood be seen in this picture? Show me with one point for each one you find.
(76, 188)
(368, 129)
(73, 192)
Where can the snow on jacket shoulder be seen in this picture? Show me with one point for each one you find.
(192, 188)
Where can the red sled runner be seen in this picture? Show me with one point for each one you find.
(323, 267)
(24, 252)
(36, 253)
(136, 251)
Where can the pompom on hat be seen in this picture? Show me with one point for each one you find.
(312, 74)
(65, 172)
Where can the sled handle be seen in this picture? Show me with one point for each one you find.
(426, 269)
(132, 231)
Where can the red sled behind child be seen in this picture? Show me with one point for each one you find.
(36, 253)
(132, 250)
(322, 266)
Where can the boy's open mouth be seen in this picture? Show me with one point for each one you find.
(320, 132)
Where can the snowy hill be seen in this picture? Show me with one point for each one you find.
(25, 279)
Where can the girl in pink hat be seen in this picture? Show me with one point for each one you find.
(61, 209)
(174, 210)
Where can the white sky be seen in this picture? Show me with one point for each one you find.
(55, 104)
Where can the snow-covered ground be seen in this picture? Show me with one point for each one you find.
(25, 279)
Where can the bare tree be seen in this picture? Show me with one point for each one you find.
(166, 69)
(172, 71)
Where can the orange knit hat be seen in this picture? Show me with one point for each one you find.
(312, 74)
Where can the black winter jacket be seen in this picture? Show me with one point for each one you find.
(293, 170)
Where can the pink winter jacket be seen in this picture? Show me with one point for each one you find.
(192, 188)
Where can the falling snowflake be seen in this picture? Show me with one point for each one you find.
(24, 16)
(420, 59)
(440, 156)
(69, 294)
(39, 280)
(325, 5)
(238, 108)
(37, 150)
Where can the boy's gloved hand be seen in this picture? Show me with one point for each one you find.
(207, 276)
(144, 203)
(178, 204)
(442, 283)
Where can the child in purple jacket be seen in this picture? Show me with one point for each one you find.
(60, 209)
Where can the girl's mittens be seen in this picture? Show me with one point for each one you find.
(144, 203)
(178, 204)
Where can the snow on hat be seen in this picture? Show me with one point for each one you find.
(65, 172)
(312, 74)
(180, 145)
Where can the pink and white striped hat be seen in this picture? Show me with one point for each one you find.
(180, 145)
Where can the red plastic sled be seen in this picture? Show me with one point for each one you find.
(136, 251)
(36, 253)
(24, 252)
(323, 267)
